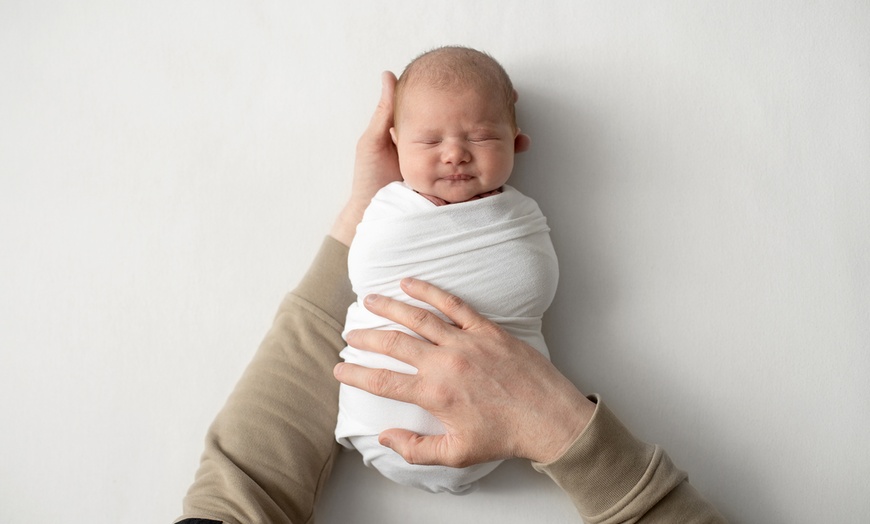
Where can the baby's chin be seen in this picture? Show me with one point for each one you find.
(454, 191)
(456, 198)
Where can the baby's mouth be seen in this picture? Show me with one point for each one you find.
(458, 177)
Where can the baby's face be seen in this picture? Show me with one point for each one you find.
(453, 144)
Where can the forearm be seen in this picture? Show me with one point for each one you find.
(613, 477)
(271, 448)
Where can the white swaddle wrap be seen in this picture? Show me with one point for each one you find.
(494, 252)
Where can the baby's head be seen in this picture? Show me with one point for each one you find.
(455, 125)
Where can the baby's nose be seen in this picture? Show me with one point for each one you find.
(455, 152)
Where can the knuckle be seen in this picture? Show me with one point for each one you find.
(391, 342)
(492, 332)
(452, 303)
(379, 382)
(457, 363)
(442, 395)
(411, 453)
(408, 455)
(417, 319)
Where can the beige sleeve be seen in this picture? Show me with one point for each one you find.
(271, 448)
(613, 477)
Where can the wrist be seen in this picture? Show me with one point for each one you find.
(566, 429)
(344, 227)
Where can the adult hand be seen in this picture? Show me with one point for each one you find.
(376, 165)
(496, 396)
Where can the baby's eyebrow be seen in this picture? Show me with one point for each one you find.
(486, 128)
(488, 125)
(425, 135)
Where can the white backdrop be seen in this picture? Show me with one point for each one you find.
(168, 169)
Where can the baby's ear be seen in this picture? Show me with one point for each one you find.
(522, 142)
(393, 135)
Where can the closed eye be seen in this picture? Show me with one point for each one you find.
(477, 139)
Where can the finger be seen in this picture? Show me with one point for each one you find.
(380, 382)
(452, 306)
(382, 120)
(420, 321)
(415, 448)
(388, 87)
(391, 343)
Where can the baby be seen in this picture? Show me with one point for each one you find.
(452, 222)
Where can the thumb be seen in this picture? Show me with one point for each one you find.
(388, 86)
(413, 447)
(383, 117)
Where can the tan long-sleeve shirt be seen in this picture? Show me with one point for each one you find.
(270, 450)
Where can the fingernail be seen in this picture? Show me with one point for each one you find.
(407, 282)
(386, 442)
(337, 369)
(371, 299)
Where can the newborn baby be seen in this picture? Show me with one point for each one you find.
(452, 222)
